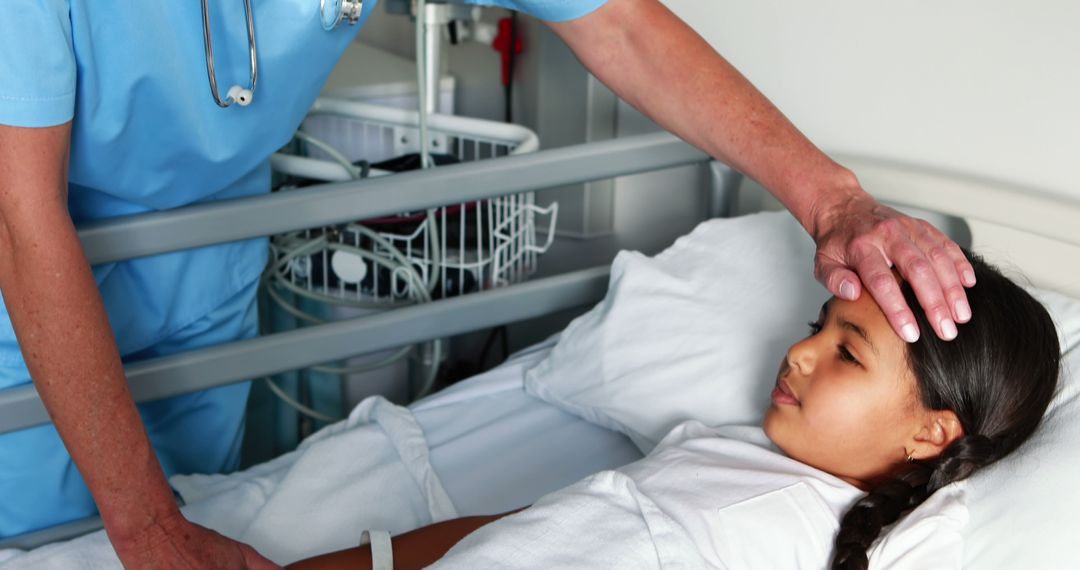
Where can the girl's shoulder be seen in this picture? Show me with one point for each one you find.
(742, 501)
(727, 465)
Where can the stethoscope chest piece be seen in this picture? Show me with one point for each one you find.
(333, 12)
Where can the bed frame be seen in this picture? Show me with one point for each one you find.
(1038, 231)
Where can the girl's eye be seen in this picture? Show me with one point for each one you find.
(846, 355)
(815, 327)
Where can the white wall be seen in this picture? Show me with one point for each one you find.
(982, 86)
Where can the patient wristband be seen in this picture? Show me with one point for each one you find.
(382, 550)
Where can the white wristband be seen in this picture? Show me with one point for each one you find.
(382, 550)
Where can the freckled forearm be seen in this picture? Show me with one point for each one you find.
(66, 340)
(65, 337)
(662, 67)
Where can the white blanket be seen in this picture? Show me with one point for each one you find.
(603, 521)
(370, 471)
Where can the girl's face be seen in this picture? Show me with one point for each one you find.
(846, 401)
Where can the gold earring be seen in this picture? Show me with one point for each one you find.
(909, 457)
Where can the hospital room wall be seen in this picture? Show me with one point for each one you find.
(988, 87)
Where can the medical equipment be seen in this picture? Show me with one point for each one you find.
(236, 94)
(467, 246)
(430, 19)
(332, 12)
(411, 257)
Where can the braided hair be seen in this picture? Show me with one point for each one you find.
(998, 376)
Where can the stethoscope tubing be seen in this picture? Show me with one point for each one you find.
(208, 43)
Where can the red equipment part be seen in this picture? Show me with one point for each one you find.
(501, 44)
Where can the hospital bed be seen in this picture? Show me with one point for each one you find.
(494, 446)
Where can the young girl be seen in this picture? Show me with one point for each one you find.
(869, 427)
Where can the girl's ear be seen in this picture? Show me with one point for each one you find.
(938, 431)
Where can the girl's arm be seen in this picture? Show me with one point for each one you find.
(414, 549)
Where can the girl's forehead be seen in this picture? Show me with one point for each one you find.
(880, 348)
(865, 319)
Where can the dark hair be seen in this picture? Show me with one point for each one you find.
(998, 376)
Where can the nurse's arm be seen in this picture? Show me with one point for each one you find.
(63, 331)
(659, 65)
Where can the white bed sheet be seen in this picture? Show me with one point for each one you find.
(496, 448)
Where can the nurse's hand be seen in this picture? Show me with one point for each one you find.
(183, 544)
(858, 242)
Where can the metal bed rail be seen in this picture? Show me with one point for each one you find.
(231, 220)
(219, 222)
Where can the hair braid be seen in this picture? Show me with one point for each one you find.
(884, 504)
(964, 457)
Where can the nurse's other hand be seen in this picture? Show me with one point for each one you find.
(859, 240)
(183, 544)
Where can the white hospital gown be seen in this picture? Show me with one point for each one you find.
(741, 502)
(704, 498)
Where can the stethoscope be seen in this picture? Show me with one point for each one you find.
(331, 13)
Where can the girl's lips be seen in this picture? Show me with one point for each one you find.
(782, 394)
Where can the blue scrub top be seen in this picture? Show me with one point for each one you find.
(147, 135)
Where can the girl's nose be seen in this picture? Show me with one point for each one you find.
(801, 357)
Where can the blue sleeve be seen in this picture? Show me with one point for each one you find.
(37, 63)
(548, 10)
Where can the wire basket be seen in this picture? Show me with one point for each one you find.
(412, 256)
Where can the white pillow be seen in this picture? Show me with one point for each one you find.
(1023, 510)
(696, 332)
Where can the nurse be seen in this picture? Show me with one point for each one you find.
(105, 110)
